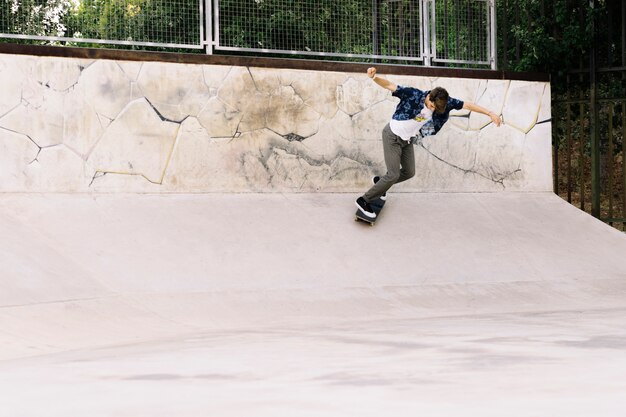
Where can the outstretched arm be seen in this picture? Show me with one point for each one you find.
(475, 107)
(371, 72)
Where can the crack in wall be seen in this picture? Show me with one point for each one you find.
(291, 137)
(344, 170)
(169, 156)
(295, 92)
(96, 175)
(65, 91)
(36, 158)
(351, 116)
(22, 134)
(254, 81)
(99, 139)
(265, 157)
(499, 181)
(235, 135)
(128, 75)
(481, 94)
(28, 105)
(100, 174)
(230, 70)
(163, 118)
(11, 109)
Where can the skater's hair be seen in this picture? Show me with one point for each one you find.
(439, 96)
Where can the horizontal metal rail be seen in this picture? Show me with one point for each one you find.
(102, 42)
(310, 53)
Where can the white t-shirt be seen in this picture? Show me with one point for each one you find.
(406, 129)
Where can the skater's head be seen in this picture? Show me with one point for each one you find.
(437, 99)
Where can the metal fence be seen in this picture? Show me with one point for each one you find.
(464, 32)
(432, 32)
(147, 23)
(429, 31)
(589, 120)
(354, 28)
(589, 132)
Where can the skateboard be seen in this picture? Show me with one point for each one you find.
(377, 205)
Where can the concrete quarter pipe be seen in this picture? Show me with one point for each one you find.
(133, 282)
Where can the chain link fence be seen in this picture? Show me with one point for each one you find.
(463, 31)
(157, 23)
(444, 31)
(433, 32)
(355, 28)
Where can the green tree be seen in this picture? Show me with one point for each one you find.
(35, 17)
(156, 21)
(547, 36)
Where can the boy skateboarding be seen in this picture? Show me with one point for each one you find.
(418, 114)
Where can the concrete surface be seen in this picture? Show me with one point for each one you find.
(78, 125)
(149, 302)
(497, 304)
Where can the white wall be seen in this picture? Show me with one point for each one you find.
(75, 125)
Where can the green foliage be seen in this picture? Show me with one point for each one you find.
(34, 17)
(157, 21)
(533, 35)
(293, 25)
(546, 36)
(456, 39)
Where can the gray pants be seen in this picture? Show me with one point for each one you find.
(400, 161)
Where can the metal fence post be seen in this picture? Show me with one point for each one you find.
(593, 125)
(216, 24)
(493, 35)
(375, 34)
(426, 32)
(208, 25)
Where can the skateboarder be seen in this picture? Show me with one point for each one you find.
(418, 114)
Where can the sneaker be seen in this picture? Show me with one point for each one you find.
(375, 179)
(365, 208)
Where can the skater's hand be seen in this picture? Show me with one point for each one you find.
(497, 120)
(384, 83)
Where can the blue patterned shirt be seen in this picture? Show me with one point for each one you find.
(411, 104)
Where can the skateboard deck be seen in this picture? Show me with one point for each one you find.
(377, 206)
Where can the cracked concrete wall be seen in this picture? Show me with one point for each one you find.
(75, 125)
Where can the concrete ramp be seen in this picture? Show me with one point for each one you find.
(177, 239)
(280, 304)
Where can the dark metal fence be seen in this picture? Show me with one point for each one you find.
(588, 93)
(588, 137)
(589, 120)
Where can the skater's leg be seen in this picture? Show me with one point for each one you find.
(407, 162)
(393, 150)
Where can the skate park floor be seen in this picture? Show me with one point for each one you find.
(452, 305)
